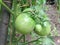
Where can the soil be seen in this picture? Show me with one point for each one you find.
(54, 18)
(55, 22)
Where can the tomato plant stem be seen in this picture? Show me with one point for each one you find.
(2, 3)
(20, 38)
(13, 24)
(35, 40)
(32, 41)
(10, 35)
(0, 7)
(24, 39)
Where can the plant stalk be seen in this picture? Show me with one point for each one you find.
(31, 41)
(14, 17)
(20, 38)
(2, 3)
(24, 39)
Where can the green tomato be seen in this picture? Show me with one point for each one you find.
(43, 30)
(0, 1)
(38, 28)
(24, 24)
(46, 29)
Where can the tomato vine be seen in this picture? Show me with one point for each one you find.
(27, 16)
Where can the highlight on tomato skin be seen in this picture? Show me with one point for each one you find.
(24, 24)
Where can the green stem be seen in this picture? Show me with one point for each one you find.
(0, 8)
(20, 38)
(2, 3)
(32, 41)
(35, 40)
(24, 39)
(14, 17)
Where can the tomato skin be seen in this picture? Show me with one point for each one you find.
(24, 24)
(38, 28)
(46, 29)
(43, 30)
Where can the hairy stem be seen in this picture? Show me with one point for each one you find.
(2, 3)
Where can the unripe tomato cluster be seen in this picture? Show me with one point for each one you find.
(25, 24)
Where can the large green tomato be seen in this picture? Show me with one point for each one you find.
(46, 29)
(24, 24)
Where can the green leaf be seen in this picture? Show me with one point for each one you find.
(33, 2)
(47, 41)
(28, 10)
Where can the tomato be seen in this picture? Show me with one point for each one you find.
(46, 29)
(0, 1)
(38, 28)
(43, 30)
(24, 24)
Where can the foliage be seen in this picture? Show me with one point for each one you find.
(44, 41)
(58, 4)
(36, 11)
